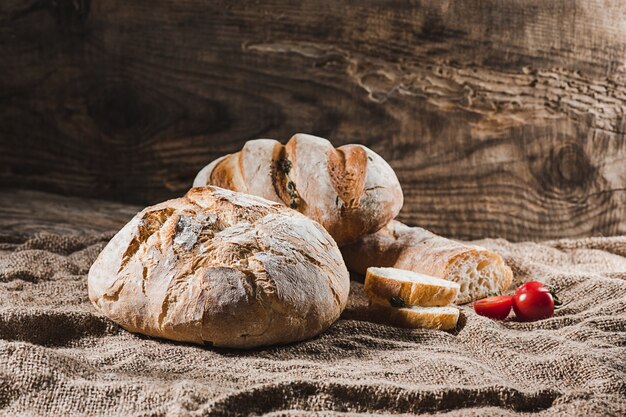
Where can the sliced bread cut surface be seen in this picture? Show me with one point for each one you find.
(439, 318)
(479, 271)
(399, 288)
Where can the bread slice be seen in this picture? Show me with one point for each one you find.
(438, 318)
(398, 288)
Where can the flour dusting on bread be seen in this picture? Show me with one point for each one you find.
(223, 268)
(350, 190)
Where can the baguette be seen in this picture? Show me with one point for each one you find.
(397, 288)
(438, 318)
(349, 190)
(477, 270)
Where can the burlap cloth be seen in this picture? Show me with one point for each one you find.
(59, 357)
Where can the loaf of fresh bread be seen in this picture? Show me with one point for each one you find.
(349, 190)
(478, 270)
(222, 268)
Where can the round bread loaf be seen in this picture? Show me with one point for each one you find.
(223, 268)
(349, 190)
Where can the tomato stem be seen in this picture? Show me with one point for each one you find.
(557, 303)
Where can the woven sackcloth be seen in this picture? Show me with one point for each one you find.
(58, 356)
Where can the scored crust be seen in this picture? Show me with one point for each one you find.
(477, 270)
(349, 190)
(387, 290)
(221, 268)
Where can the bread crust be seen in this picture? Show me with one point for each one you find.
(418, 250)
(445, 318)
(223, 268)
(383, 290)
(349, 190)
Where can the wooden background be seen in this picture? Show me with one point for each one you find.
(501, 118)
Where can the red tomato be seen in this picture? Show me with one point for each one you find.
(497, 308)
(533, 303)
(530, 285)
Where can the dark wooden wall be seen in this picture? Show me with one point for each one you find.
(501, 118)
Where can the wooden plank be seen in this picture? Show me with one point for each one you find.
(500, 118)
(25, 212)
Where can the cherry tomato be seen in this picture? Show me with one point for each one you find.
(533, 303)
(497, 308)
(530, 285)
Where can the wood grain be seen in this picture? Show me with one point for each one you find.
(26, 212)
(501, 118)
